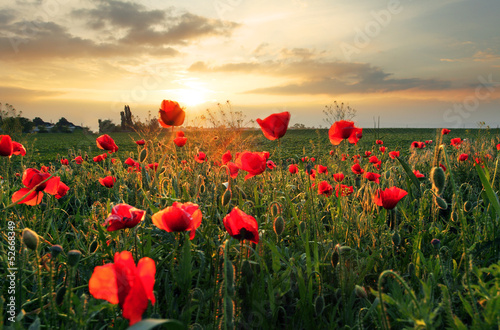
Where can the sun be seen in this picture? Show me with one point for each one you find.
(190, 96)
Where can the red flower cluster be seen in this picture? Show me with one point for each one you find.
(9, 147)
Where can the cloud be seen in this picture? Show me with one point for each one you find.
(116, 29)
(487, 55)
(316, 76)
(16, 93)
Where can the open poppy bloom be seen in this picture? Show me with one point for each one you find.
(78, 160)
(180, 141)
(343, 190)
(270, 165)
(252, 162)
(456, 142)
(382, 149)
(293, 168)
(394, 154)
(324, 188)
(6, 147)
(33, 178)
(418, 174)
(98, 158)
(18, 149)
(179, 217)
(274, 126)
(498, 147)
(356, 169)
(126, 284)
(338, 177)
(153, 166)
(227, 157)
(367, 154)
(379, 142)
(124, 216)
(105, 142)
(108, 181)
(419, 145)
(389, 197)
(463, 157)
(342, 130)
(445, 131)
(171, 114)
(233, 169)
(64, 161)
(373, 160)
(374, 177)
(140, 142)
(241, 225)
(201, 157)
(322, 169)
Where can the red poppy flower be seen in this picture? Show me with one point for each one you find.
(200, 157)
(140, 142)
(343, 190)
(274, 126)
(134, 166)
(463, 157)
(445, 131)
(78, 160)
(418, 174)
(179, 217)
(332, 152)
(252, 162)
(389, 197)
(382, 149)
(98, 158)
(64, 161)
(379, 142)
(241, 225)
(313, 159)
(18, 149)
(227, 157)
(344, 129)
(344, 157)
(233, 169)
(108, 181)
(32, 178)
(373, 160)
(356, 169)
(312, 173)
(153, 166)
(367, 154)
(180, 141)
(270, 165)
(171, 114)
(293, 169)
(456, 142)
(6, 147)
(498, 147)
(394, 154)
(442, 166)
(62, 190)
(338, 177)
(123, 216)
(324, 188)
(126, 284)
(322, 169)
(374, 177)
(419, 145)
(105, 142)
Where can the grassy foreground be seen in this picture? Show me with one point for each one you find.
(322, 261)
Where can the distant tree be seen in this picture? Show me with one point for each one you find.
(107, 126)
(335, 112)
(11, 121)
(298, 126)
(126, 119)
(38, 121)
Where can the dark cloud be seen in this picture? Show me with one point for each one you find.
(141, 31)
(315, 76)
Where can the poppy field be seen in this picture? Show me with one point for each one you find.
(234, 229)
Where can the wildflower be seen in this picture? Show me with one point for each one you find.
(356, 169)
(6, 147)
(456, 142)
(344, 129)
(180, 141)
(200, 157)
(382, 149)
(78, 160)
(171, 114)
(374, 177)
(252, 162)
(179, 217)
(367, 154)
(153, 166)
(463, 157)
(389, 197)
(418, 174)
(343, 190)
(379, 142)
(275, 126)
(373, 160)
(241, 225)
(442, 166)
(105, 142)
(419, 145)
(445, 131)
(338, 177)
(233, 169)
(18, 149)
(270, 165)
(293, 168)
(123, 216)
(322, 169)
(324, 188)
(33, 178)
(140, 142)
(226, 157)
(108, 181)
(126, 284)
(394, 154)
(64, 161)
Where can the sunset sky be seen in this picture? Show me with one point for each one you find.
(413, 63)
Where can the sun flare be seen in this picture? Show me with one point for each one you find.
(190, 97)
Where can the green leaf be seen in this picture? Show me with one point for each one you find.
(410, 174)
(151, 323)
(492, 197)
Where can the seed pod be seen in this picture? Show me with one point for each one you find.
(454, 216)
(438, 179)
(279, 225)
(274, 210)
(74, 257)
(55, 250)
(467, 207)
(143, 155)
(396, 239)
(30, 238)
(441, 203)
(226, 198)
(411, 269)
(344, 249)
(319, 305)
(360, 292)
(229, 277)
(60, 295)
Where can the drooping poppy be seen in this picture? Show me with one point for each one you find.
(456, 142)
(389, 197)
(126, 284)
(178, 218)
(338, 177)
(123, 216)
(241, 226)
(140, 142)
(343, 190)
(33, 178)
(108, 181)
(226, 157)
(344, 129)
(252, 162)
(293, 168)
(374, 177)
(6, 147)
(200, 157)
(356, 169)
(324, 188)
(171, 114)
(394, 154)
(463, 157)
(274, 126)
(105, 142)
(445, 131)
(18, 149)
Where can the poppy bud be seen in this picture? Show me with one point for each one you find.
(60, 295)
(143, 155)
(229, 277)
(344, 249)
(30, 238)
(396, 239)
(335, 258)
(438, 179)
(454, 216)
(74, 257)
(441, 203)
(436, 243)
(302, 227)
(55, 250)
(360, 292)
(319, 305)
(274, 210)
(226, 198)
(411, 269)
(387, 175)
(467, 207)
(279, 225)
